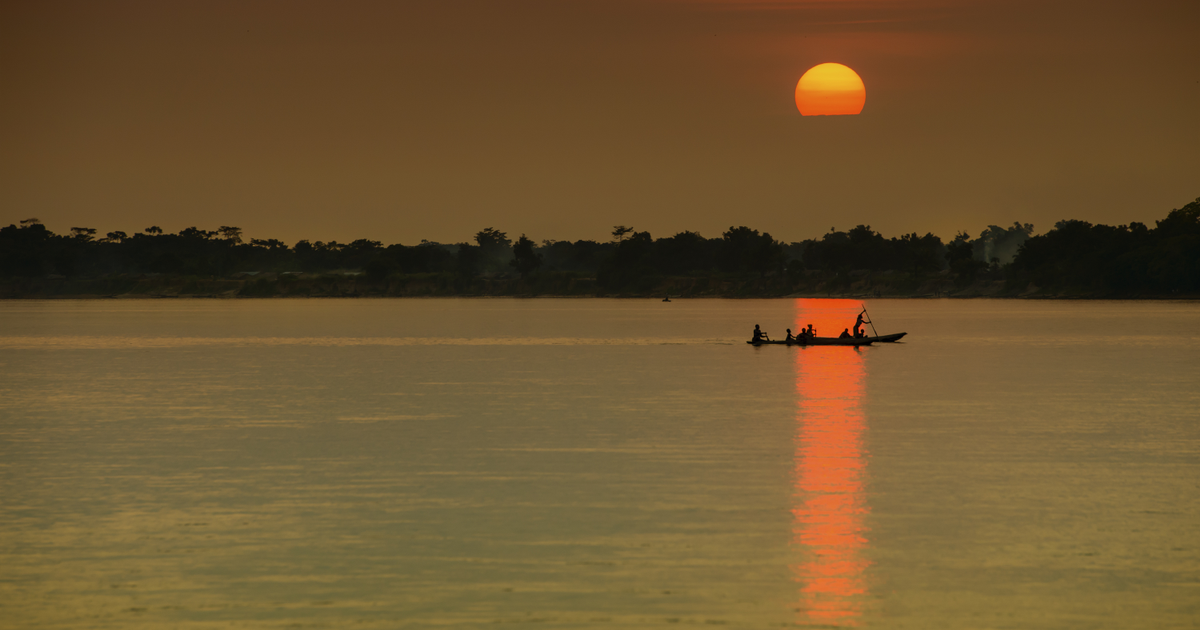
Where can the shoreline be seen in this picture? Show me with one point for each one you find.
(822, 296)
(357, 285)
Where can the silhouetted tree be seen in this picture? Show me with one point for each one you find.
(467, 260)
(620, 232)
(960, 256)
(26, 251)
(1122, 260)
(83, 234)
(684, 253)
(231, 234)
(491, 238)
(1001, 243)
(745, 250)
(1075, 256)
(525, 260)
(495, 249)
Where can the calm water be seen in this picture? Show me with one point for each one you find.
(596, 463)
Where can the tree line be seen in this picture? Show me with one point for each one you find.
(1073, 256)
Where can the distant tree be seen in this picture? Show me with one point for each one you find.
(356, 254)
(868, 248)
(959, 248)
(831, 253)
(306, 255)
(467, 260)
(25, 251)
(1001, 243)
(1074, 258)
(922, 254)
(1104, 260)
(495, 249)
(270, 243)
(1184, 221)
(745, 250)
(491, 238)
(525, 260)
(231, 234)
(961, 257)
(580, 256)
(83, 234)
(684, 253)
(630, 265)
(196, 233)
(380, 267)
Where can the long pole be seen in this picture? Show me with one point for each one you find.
(869, 320)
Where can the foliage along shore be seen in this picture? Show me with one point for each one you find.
(1075, 259)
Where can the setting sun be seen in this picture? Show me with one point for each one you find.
(830, 89)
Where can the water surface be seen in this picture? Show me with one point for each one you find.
(597, 463)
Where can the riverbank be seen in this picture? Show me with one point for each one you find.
(356, 284)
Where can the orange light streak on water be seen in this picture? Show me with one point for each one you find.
(830, 470)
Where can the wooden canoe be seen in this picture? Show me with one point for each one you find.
(817, 341)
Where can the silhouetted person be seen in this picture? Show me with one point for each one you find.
(858, 324)
(789, 336)
(811, 333)
(845, 334)
(759, 335)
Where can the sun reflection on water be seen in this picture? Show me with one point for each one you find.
(831, 470)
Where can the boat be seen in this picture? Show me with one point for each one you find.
(817, 341)
(878, 337)
(834, 341)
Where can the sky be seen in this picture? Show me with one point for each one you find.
(403, 121)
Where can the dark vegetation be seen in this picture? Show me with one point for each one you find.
(1075, 258)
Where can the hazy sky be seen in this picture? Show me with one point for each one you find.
(398, 121)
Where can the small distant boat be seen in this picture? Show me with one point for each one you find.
(817, 341)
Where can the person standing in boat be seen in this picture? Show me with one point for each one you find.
(759, 335)
(858, 324)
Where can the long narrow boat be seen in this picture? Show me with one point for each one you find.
(817, 341)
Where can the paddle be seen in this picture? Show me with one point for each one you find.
(869, 320)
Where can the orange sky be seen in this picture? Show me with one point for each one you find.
(401, 121)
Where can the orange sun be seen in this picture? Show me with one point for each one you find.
(830, 89)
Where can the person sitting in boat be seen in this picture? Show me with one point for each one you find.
(759, 335)
(845, 334)
(810, 332)
(789, 336)
(858, 324)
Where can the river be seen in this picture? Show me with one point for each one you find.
(456, 463)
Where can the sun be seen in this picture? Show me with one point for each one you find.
(830, 89)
